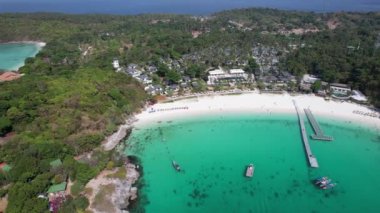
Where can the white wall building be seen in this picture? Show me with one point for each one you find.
(234, 74)
(133, 72)
(116, 64)
(340, 89)
(310, 79)
(237, 73)
(144, 79)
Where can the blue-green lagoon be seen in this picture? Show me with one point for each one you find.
(214, 151)
(13, 55)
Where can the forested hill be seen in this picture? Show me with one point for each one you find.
(64, 106)
(70, 97)
(338, 47)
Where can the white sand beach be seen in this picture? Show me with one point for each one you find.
(262, 104)
(40, 44)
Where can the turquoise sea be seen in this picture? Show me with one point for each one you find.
(214, 151)
(13, 55)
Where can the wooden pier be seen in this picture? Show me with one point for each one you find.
(312, 159)
(319, 135)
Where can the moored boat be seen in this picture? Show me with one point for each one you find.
(176, 166)
(329, 186)
(320, 180)
(250, 170)
(324, 183)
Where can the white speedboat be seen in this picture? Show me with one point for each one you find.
(250, 170)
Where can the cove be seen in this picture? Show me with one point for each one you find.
(13, 55)
(214, 150)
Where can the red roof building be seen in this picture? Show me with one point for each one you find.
(9, 76)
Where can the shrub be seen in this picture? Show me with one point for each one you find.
(77, 188)
(5, 126)
(110, 165)
(3, 192)
(58, 179)
(81, 203)
(88, 142)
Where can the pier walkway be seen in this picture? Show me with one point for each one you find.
(312, 159)
(319, 135)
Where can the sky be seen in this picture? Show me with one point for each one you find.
(180, 6)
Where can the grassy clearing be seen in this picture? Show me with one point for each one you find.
(102, 200)
(121, 173)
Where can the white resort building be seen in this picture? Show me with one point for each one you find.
(340, 91)
(220, 76)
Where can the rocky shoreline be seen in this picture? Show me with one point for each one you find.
(123, 132)
(113, 190)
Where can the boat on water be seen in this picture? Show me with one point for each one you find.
(329, 186)
(320, 180)
(324, 183)
(176, 166)
(250, 170)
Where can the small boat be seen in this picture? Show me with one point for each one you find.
(176, 166)
(324, 183)
(250, 170)
(329, 186)
(320, 180)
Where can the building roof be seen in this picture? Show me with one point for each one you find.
(57, 188)
(309, 78)
(237, 71)
(340, 85)
(324, 83)
(358, 96)
(132, 65)
(56, 163)
(216, 72)
(9, 76)
(5, 167)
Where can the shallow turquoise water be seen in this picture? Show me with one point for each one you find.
(13, 55)
(214, 151)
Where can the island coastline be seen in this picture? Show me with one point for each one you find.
(252, 102)
(38, 44)
(257, 103)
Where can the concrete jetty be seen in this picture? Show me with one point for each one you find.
(319, 135)
(312, 159)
